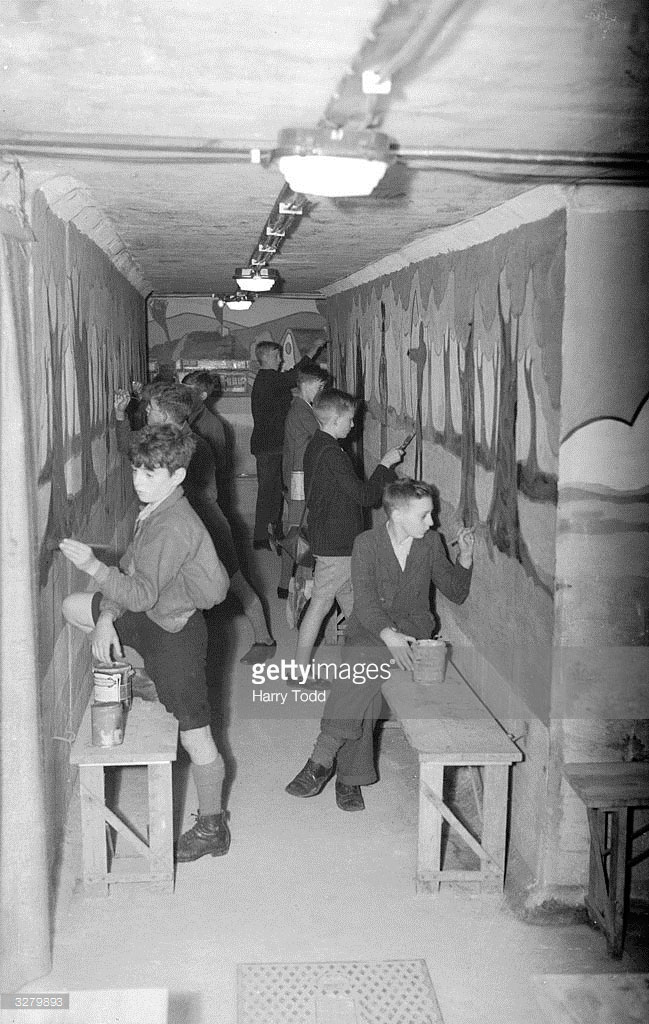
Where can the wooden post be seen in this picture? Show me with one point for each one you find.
(617, 879)
(161, 856)
(494, 824)
(429, 844)
(93, 830)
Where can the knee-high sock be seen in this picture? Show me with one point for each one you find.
(208, 779)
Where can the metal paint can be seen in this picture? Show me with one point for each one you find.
(112, 683)
(107, 721)
(430, 661)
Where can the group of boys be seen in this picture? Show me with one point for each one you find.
(182, 560)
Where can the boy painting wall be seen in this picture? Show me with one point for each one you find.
(392, 568)
(151, 602)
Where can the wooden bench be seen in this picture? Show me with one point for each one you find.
(448, 725)
(610, 792)
(150, 739)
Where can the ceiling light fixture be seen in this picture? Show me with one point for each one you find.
(238, 301)
(253, 279)
(333, 162)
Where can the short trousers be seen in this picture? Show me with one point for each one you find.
(175, 662)
(332, 578)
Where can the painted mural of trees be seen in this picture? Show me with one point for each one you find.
(503, 518)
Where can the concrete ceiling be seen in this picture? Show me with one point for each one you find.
(496, 74)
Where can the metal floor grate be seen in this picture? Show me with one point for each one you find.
(356, 992)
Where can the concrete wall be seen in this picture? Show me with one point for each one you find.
(600, 693)
(88, 339)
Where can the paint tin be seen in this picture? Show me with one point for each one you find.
(112, 683)
(107, 721)
(430, 661)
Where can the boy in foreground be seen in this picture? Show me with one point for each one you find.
(393, 566)
(151, 602)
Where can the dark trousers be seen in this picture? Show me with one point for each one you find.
(269, 494)
(350, 714)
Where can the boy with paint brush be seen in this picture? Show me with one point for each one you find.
(151, 602)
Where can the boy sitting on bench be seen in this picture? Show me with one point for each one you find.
(393, 566)
(151, 602)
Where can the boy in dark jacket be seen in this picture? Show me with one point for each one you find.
(151, 602)
(336, 498)
(393, 566)
(270, 401)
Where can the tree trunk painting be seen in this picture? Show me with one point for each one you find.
(532, 481)
(504, 524)
(468, 510)
(359, 393)
(383, 386)
(419, 356)
(484, 450)
(503, 515)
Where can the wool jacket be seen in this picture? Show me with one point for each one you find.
(199, 487)
(205, 424)
(387, 596)
(336, 495)
(169, 569)
(300, 427)
(270, 401)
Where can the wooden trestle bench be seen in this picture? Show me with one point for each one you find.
(610, 792)
(151, 740)
(448, 725)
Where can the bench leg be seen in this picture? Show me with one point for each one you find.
(93, 830)
(161, 843)
(617, 881)
(429, 843)
(606, 899)
(494, 824)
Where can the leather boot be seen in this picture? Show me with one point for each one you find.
(311, 780)
(210, 834)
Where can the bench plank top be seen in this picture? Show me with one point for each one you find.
(610, 784)
(150, 737)
(448, 720)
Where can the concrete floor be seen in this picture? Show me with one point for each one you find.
(306, 882)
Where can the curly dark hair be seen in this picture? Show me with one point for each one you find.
(167, 446)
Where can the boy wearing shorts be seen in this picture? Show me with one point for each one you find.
(336, 499)
(169, 571)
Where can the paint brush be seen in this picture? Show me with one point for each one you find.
(53, 545)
